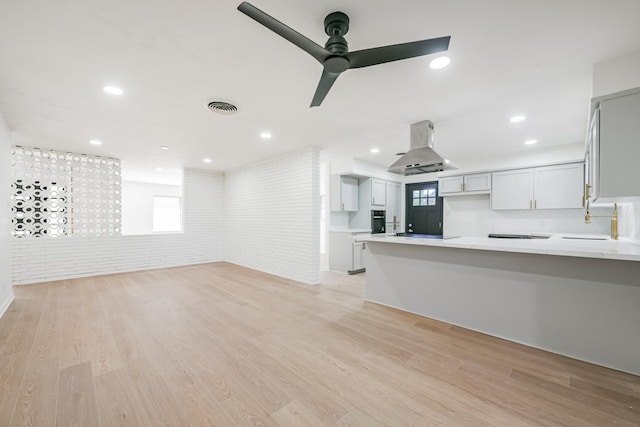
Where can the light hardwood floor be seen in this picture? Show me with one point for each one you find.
(218, 344)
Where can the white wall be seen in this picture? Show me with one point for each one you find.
(273, 211)
(6, 292)
(43, 259)
(137, 205)
(536, 156)
(616, 74)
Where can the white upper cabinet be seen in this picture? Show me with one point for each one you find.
(547, 187)
(512, 189)
(558, 187)
(613, 147)
(465, 184)
(378, 193)
(451, 184)
(393, 208)
(344, 193)
(477, 182)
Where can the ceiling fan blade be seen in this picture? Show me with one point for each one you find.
(380, 55)
(290, 34)
(326, 81)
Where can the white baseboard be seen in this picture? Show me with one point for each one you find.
(6, 304)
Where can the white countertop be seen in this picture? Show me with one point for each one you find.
(556, 245)
(350, 230)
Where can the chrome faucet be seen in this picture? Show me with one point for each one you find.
(614, 219)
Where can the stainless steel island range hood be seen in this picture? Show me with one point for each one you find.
(421, 157)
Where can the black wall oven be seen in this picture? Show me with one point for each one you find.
(377, 222)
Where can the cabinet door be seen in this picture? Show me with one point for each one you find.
(619, 148)
(393, 202)
(358, 255)
(512, 189)
(344, 193)
(349, 193)
(558, 187)
(591, 158)
(477, 182)
(451, 184)
(378, 190)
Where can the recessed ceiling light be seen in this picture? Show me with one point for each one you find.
(447, 161)
(164, 147)
(206, 160)
(265, 135)
(158, 169)
(113, 90)
(95, 142)
(440, 62)
(516, 119)
(375, 150)
(531, 141)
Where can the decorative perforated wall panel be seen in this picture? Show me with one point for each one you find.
(58, 194)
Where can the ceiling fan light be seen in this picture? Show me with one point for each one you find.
(439, 62)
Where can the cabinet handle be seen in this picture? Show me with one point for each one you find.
(343, 206)
(364, 246)
(461, 187)
(535, 204)
(530, 204)
(374, 200)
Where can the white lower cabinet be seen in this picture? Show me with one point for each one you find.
(547, 187)
(345, 254)
(358, 257)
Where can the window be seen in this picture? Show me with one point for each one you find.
(151, 199)
(166, 214)
(424, 197)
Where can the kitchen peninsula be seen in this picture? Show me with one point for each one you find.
(579, 298)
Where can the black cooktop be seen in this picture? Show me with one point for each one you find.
(422, 236)
(517, 236)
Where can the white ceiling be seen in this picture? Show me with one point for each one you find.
(507, 57)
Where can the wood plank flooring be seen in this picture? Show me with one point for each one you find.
(222, 345)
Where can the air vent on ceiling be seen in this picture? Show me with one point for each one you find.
(222, 107)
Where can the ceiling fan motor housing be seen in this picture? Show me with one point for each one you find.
(336, 25)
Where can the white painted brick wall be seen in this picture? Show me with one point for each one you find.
(44, 259)
(273, 216)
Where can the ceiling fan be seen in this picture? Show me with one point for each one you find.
(335, 56)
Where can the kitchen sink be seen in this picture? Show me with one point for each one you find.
(585, 238)
(518, 236)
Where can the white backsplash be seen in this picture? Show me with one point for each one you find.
(472, 216)
(339, 220)
(629, 226)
